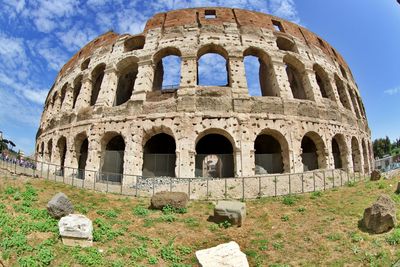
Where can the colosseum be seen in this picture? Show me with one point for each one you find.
(110, 111)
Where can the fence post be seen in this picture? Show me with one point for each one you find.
(302, 182)
(313, 175)
(41, 169)
(324, 180)
(72, 179)
(94, 180)
(275, 185)
(259, 186)
(341, 178)
(154, 183)
(333, 176)
(290, 187)
(189, 187)
(207, 188)
(107, 182)
(136, 186)
(226, 187)
(242, 188)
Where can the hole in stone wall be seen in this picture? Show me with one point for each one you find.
(277, 26)
(85, 64)
(97, 79)
(342, 93)
(77, 89)
(354, 102)
(210, 14)
(285, 44)
(134, 43)
(126, 83)
(321, 43)
(212, 70)
(343, 72)
(295, 82)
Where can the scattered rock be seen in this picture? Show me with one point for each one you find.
(224, 255)
(381, 216)
(375, 175)
(176, 200)
(233, 211)
(76, 230)
(60, 206)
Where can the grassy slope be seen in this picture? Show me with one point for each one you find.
(309, 230)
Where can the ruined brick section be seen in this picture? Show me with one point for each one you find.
(310, 100)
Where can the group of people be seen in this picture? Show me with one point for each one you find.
(17, 160)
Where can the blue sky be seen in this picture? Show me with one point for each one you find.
(38, 37)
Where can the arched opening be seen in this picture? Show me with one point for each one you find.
(337, 158)
(159, 156)
(134, 43)
(167, 73)
(53, 100)
(268, 155)
(81, 148)
(343, 72)
(323, 82)
(85, 64)
(365, 155)
(355, 155)
(212, 66)
(128, 70)
(342, 93)
(285, 44)
(261, 80)
(353, 101)
(361, 105)
(63, 93)
(49, 150)
(113, 158)
(214, 157)
(77, 90)
(312, 156)
(293, 71)
(97, 79)
(62, 151)
(42, 150)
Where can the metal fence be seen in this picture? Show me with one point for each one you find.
(203, 188)
(388, 163)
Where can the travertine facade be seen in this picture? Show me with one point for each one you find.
(109, 97)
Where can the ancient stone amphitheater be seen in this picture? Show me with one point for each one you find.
(109, 110)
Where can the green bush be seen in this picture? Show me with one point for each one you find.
(394, 237)
(289, 200)
(140, 211)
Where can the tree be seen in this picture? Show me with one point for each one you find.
(382, 146)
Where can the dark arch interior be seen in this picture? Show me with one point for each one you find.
(268, 155)
(62, 149)
(113, 163)
(337, 157)
(321, 85)
(49, 149)
(97, 80)
(309, 156)
(214, 156)
(126, 82)
(83, 154)
(295, 83)
(159, 156)
(77, 89)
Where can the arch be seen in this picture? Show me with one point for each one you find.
(323, 82)
(271, 152)
(81, 153)
(214, 155)
(134, 43)
(342, 92)
(97, 79)
(294, 71)
(339, 152)
(77, 89)
(112, 163)
(159, 158)
(42, 150)
(128, 70)
(266, 74)
(54, 99)
(286, 44)
(63, 93)
(170, 78)
(62, 152)
(342, 70)
(85, 64)
(365, 156)
(361, 105)
(212, 64)
(313, 152)
(49, 149)
(355, 154)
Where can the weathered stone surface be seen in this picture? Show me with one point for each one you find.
(233, 211)
(381, 216)
(375, 175)
(174, 199)
(60, 206)
(224, 255)
(76, 229)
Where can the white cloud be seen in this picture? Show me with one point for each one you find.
(285, 9)
(36, 96)
(392, 91)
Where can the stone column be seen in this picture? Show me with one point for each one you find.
(69, 95)
(311, 87)
(132, 155)
(83, 99)
(237, 77)
(247, 158)
(144, 80)
(56, 105)
(93, 160)
(188, 80)
(349, 158)
(279, 68)
(108, 88)
(186, 161)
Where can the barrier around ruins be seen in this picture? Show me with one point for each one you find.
(198, 188)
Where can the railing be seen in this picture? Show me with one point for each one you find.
(197, 188)
(171, 87)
